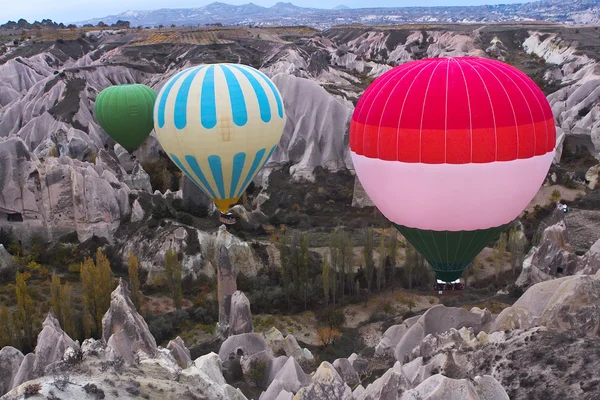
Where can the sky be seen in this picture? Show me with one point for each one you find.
(76, 10)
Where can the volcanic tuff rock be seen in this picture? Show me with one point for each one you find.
(551, 257)
(571, 303)
(8, 264)
(99, 375)
(52, 115)
(180, 353)
(123, 329)
(240, 317)
(438, 319)
(52, 342)
(554, 256)
(326, 383)
(10, 360)
(316, 131)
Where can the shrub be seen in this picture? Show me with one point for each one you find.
(332, 317)
(74, 268)
(257, 372)
(185, 218)
(327, 336)
(32, 389)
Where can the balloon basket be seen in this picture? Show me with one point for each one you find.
(227, 218)
(448, 287)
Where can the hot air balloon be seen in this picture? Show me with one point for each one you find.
(125, 113)
(219, 124)
(451, 150)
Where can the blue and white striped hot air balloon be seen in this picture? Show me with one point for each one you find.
(219, 123)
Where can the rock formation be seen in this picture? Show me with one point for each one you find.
(123, 328)
(441, 387)
(240, 317)
(180, 353)
(226, 283)
(8, 265)
(10, 360)
(316, 130)
(571, 303)
(553, 256)
(436, 320)
(326, 383)
(392, 336)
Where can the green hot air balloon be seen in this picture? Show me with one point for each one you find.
(125, 113)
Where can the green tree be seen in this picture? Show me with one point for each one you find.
(382, 251)
(55, 297)
(105, 284)
(96, 282)
(286, 263)
(66, 309)
(88, 322)
(368, 247)
(133, 269)
(257, 371)
(411, 263)
(26, 312)
(89, 277)
(346, 259)
(555, 196)
(303, 264)
(392, 252)
(500, 250)
(516, 247)
(334, 257)
(325, 279)
(173, 274)
(7, 328)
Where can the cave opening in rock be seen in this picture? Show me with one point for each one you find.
(14, 217)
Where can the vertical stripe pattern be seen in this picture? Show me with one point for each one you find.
(220, 123)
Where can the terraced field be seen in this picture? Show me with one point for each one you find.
(196, 37)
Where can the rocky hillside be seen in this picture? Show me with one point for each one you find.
(61, 175)
(542, 347)
(574, 12)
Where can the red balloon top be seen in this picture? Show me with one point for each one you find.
(453, 110)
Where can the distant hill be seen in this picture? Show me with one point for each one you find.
(571, 12)
(341, 7)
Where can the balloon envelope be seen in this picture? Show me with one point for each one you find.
(125, 113)
(451, 150)
(220, 124)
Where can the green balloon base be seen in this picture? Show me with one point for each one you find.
(449, 252)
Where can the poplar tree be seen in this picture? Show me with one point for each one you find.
(66, 309)
(7, 328)
(382, 251)
(368, 244)
(89, 278)
(303, 266)
(133, 269)
(105, 283)
(325, 276)
(392, 251)
(285, 259)
(96, 282)
(55, 297)
(173, 273)
(500, 249)
(25, 312)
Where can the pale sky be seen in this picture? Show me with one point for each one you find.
(76, 10)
